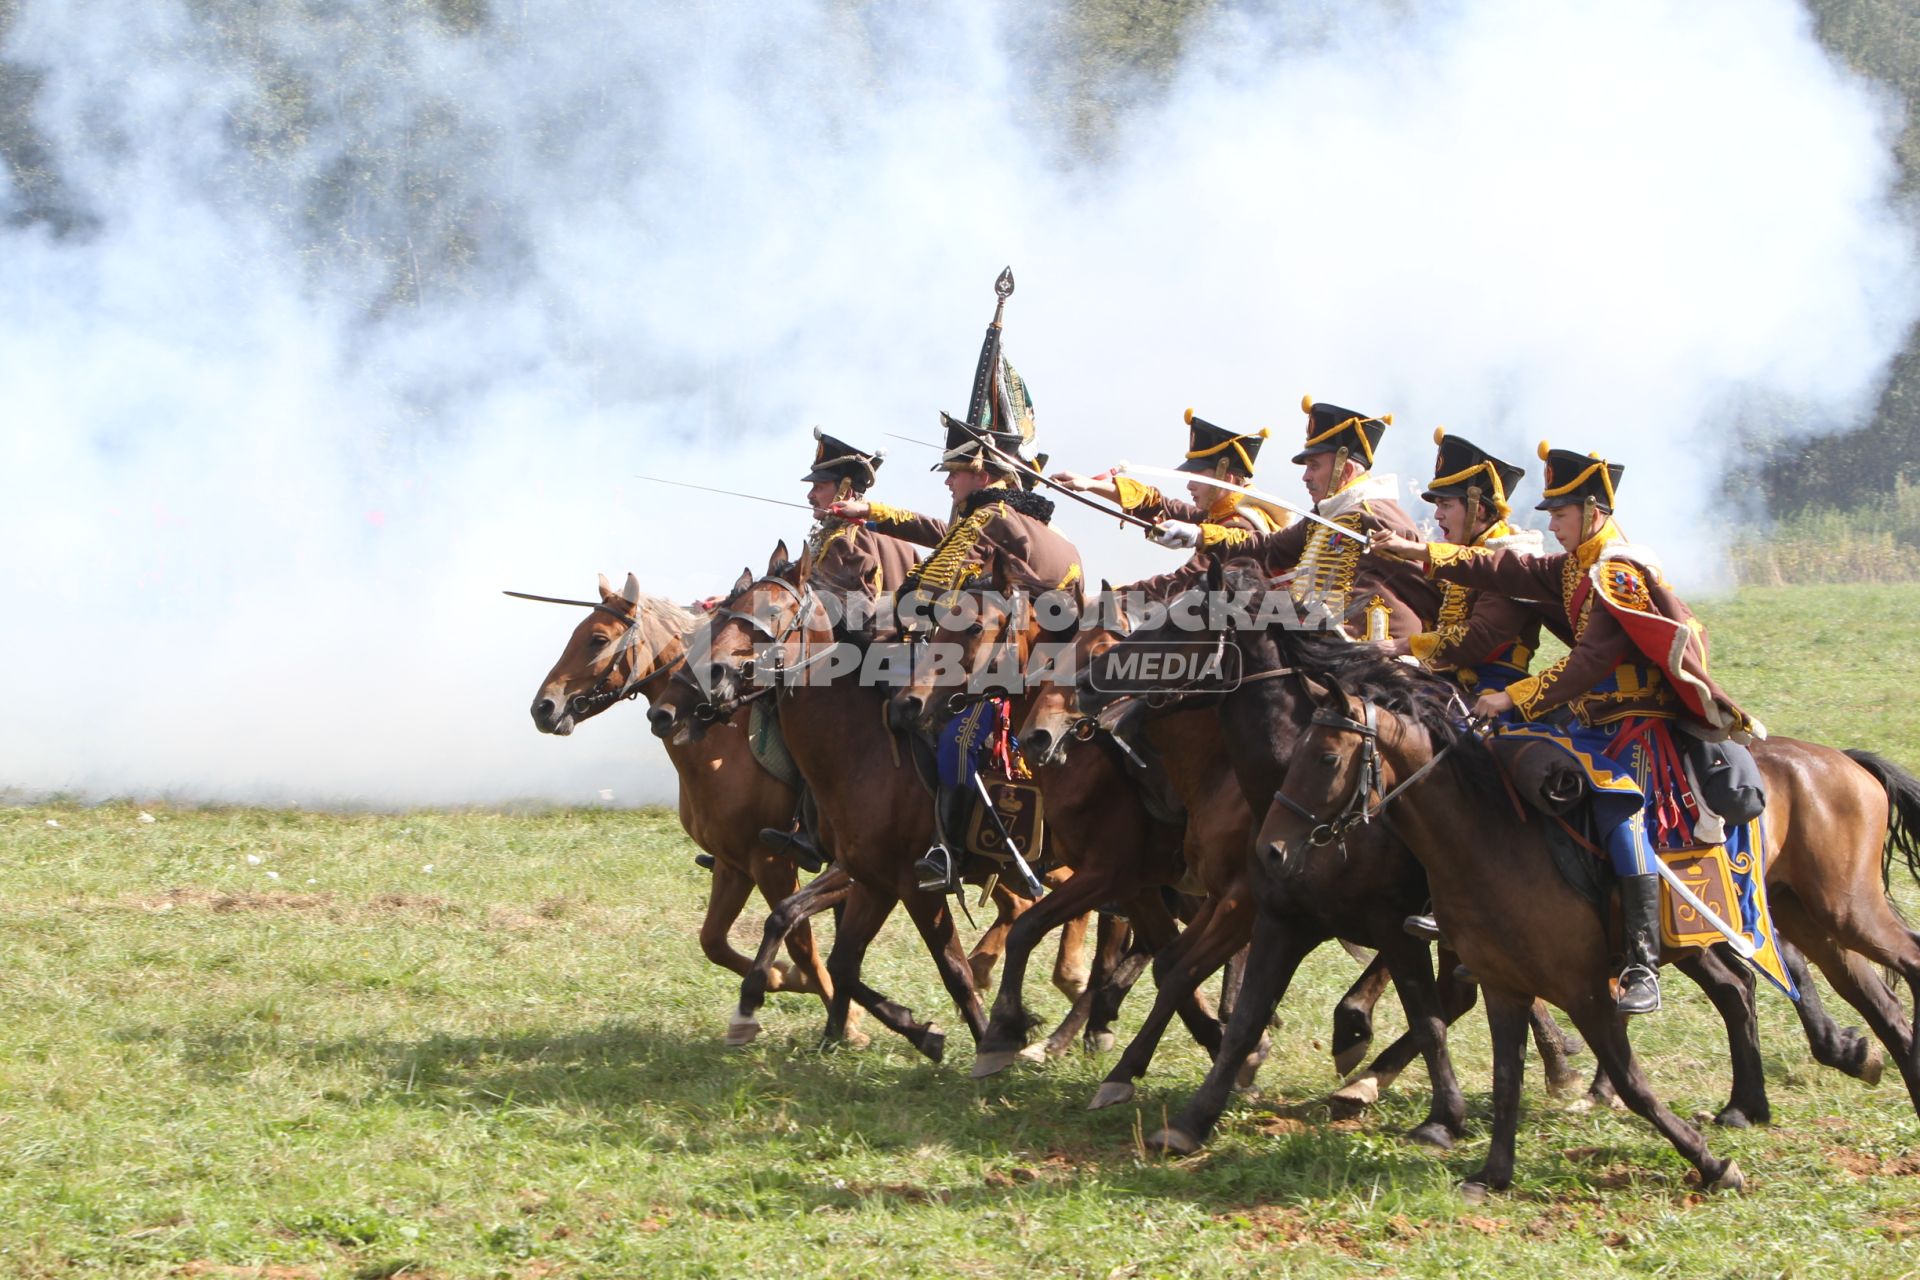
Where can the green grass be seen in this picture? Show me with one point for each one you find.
(511, 1065)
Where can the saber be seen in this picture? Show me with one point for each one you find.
(1136, 469)
(1737, 940)
(731, 493)
(1025, 470)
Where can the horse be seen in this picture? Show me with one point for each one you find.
(628, 646)
(875, 815)
(1834, 823)
(1099, 822)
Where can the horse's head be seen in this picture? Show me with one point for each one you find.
(1053, 716)
(750, 625)
(1182, 656)
(961, 649)
(1331, 777)
(613, 651)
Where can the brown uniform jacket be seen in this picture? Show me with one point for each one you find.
(999, 538)
(1475, 627)
(1377, 598)
(1149, 503)
(1618, 607)
(845, 556)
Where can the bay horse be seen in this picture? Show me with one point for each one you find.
(1834, 821)
(1099, 823)
(875, 814)
(629, 645)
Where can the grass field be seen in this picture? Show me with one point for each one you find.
(245, 1043)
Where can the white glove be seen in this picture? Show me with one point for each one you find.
(1177, 534)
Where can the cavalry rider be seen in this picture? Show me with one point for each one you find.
(1637, 670)
(997, 537)
(1373, 598)
(845, 556)
(1213, 454)
(1480, 639)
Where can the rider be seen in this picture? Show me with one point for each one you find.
(1372, 598)
(998, 537)
(840, 555)
(1213, 454)
(1636, 669)
(1480, 639)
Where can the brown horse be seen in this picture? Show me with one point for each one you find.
(629, 645)
(1099, 822)
(1833, 824)
(875, 814)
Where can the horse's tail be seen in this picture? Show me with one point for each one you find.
(1903, 817)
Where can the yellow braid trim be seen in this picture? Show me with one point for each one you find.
(1134, 494)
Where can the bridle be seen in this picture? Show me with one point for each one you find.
(1358, 809)
(602, 695)
(707, 710)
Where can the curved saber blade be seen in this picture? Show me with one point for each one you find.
(1166, 473)
(1737, 940)
(730, 493)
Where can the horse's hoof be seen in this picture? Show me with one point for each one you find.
(1103, 1042)
(742, 1030)
(1730, 1179)
(1432, 1134)
(1035, 1053)
(1565, 1086)
(856, 1039)
(1733, 1118)
(1345, 1061)
(1474, 1192)
(1365, 1090)
(1172, 1142)
(991, 1062)
(1875, 1064)
(933, 1043)
(1111, 1093)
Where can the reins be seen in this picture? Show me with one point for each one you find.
(1358, 810)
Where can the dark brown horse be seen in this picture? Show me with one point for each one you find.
(1833, 823)
(629, 646)
(876, 816)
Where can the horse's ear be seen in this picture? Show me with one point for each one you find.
(742, 582)
(606, 588)
(779, 558)
(630, 590)
(1324, 692)
(1216, 573)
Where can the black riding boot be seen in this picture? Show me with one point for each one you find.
(938, 869)
(1640, 981)
(798, 841)
(1422, 926)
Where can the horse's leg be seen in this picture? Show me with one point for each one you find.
(828, 889)
(1353, 1016)
(1852, 976)
(1507, 1018)
(1221, 928)
(778, 878)
(1072, 971)
(866, 910)
(1006, 1032)
(1606, 1033)
(1845, 1049)
(1121, 953)
(1455, 999)
(931, 915)
(1273, 957)
(986, 953)
(1732, 994)
(1556, 1047)
(731, 889)
(1231, 980)
(1427, 1020)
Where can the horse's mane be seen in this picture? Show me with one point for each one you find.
(1433, 702)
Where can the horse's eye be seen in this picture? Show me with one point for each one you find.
(594, 642)
(1330, 758)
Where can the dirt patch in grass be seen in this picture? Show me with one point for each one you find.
(1862, 1165)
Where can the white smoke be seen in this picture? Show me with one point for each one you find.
(369, 313)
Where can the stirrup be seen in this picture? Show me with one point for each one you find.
(704, 861)
(1421, 926)
(935, 871)
(1639, 990)
(795, 845)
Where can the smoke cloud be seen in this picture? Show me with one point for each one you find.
(358, 313)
